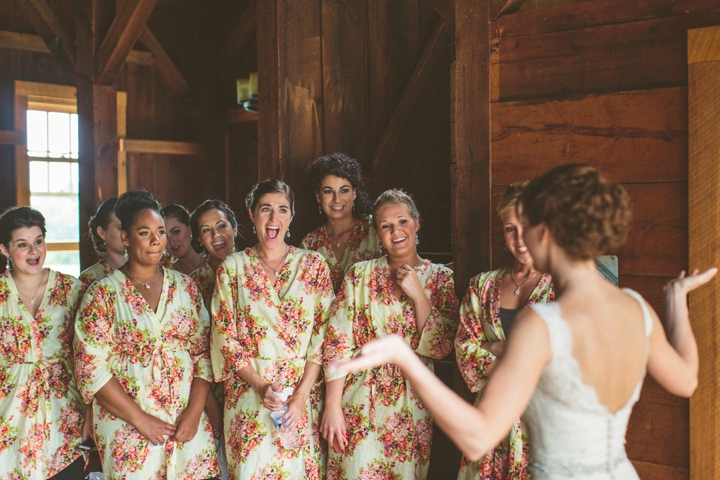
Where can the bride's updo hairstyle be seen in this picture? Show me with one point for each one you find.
(587, 215)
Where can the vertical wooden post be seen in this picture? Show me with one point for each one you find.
(470, 141)
(290, 118)
(97, 119)
(703, 234)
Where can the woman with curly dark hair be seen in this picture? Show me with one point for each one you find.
(574, 366)
(346, 234)
(104, 229)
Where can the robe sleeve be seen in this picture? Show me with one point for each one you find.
(340, 343)
(226, 348)
(473, 360)
(200, 340)
(94, 340)
(323, 302)
(436, 339)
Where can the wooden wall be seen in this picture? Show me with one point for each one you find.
(605, 83)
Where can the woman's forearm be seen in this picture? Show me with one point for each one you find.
(198, 395)
(113, 398)
(312, 370)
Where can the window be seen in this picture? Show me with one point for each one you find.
(52, 144)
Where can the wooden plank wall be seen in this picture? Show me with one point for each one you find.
(605, 82)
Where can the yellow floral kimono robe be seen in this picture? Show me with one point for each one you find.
(92, 273)
(41, 412)
(276, 329)
(389, 430)
(154, 356)
(480, 322)
(364, 244)
(205, 279)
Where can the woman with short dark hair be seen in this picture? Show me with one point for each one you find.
(142, 353)
(41, 412)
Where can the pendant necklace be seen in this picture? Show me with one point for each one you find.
(282, 260)
(517, 290)
(34, 295)
(339, 237)
(145, 284)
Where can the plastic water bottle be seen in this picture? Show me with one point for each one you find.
(289, 438)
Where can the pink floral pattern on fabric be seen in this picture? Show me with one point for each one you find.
(364, 244)
(380, 407)
(480, 322)
(154, 356)
(276, 329)
(41, 412)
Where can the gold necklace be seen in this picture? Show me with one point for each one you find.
(282, 260)
(339, 237)
(145, 284)
(34, 295)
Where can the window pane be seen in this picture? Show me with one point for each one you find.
(61, 216)
(58, 134)
(75, 177)
(74, 135)
(37, 133)
(65, 261)
(38, 176)
(60, 181)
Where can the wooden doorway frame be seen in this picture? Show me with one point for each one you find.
(704, 233)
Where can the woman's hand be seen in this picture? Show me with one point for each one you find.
(390, 349)
(187, 426)
(296, 405)
(409, 282)
(682, 285)
(215, 414)
(496, 348)
(332, 428)
(154, 429)
(269, 399)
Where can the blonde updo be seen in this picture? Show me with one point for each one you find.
(510, 197)
(395, 196)
(587, 215)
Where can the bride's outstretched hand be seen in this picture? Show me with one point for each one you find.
(390, 349)
(684, 284)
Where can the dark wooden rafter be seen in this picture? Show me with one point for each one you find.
(430, 57)
(11, 137)
(120, 38)
(166, 68)
(498, 8)
(243, 32)
(444, 8)
(51, 30)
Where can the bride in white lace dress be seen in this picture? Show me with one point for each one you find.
(575, 366)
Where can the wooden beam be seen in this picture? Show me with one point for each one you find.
(444, 8)
(243, 32)
(33, 43)
(239, 115)
(430, 58)
(502, 7)
(704, 230)
(470, 142)
(120, 38)
(166, 68)
(51, 31)
(160, 147)
(11, 137)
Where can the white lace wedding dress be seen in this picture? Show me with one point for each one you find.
(572, 434)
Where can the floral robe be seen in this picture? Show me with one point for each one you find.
(154, 356)
(92, 273)
(41, 412)
(276, 329)
(480, 322)
(364, 244)
(205, 279)
(389, 429)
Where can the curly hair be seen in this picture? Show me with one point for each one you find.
(19, 217)
(101, 219)
(343, 166)
(131, 203)
(395, 196)
(587, 215)
(204, 207)
(510, 197)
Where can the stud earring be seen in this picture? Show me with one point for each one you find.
(287, 234)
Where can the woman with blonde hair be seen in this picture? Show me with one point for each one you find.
(492, 302)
